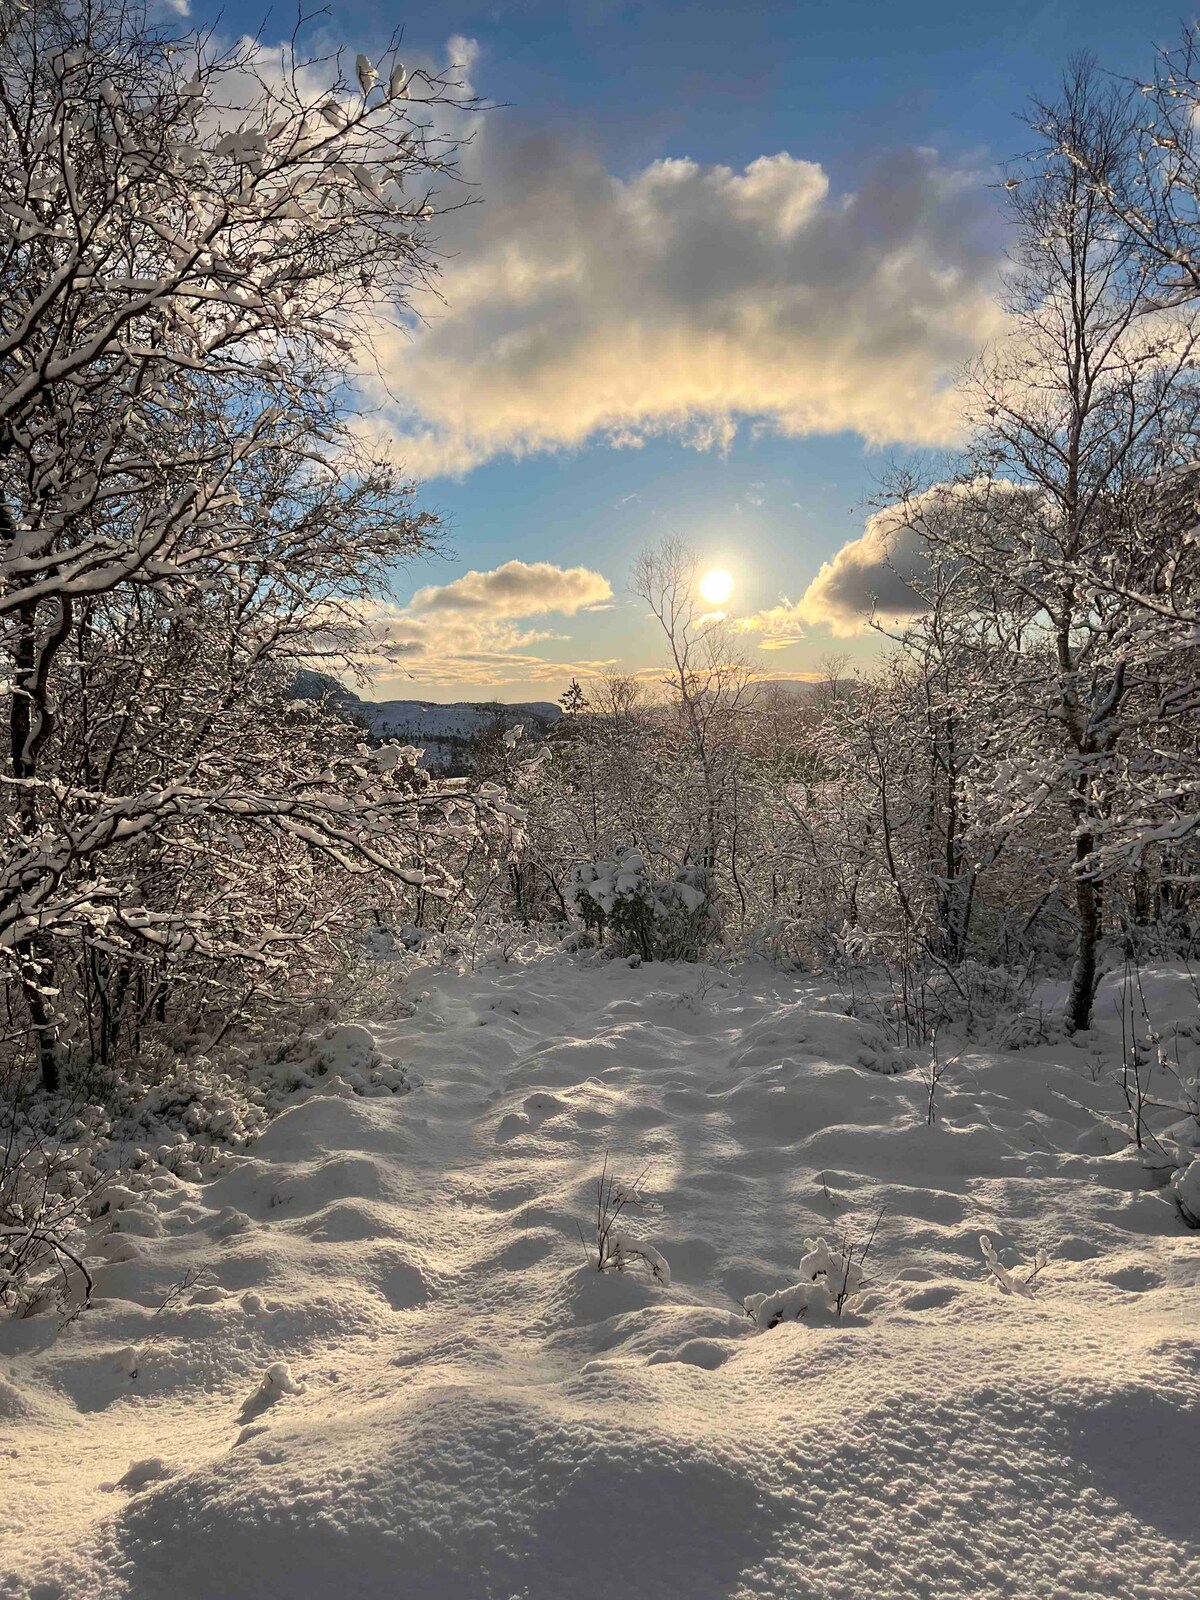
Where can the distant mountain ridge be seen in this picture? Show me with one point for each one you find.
(447, 733)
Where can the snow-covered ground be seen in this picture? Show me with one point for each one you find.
(392, 1373)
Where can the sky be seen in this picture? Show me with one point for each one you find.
(726, 262)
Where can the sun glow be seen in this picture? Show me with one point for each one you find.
(716, 586)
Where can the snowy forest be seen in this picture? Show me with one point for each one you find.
(740, 1139)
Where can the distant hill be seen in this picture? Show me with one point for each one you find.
(806, 688)
(446, 733)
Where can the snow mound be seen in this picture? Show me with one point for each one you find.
(150, 1469)
(455, 1493)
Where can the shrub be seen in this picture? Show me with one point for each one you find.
(659, 919)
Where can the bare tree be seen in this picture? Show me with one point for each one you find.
(708, 686)
(192, 244)
(1150, 199)
(1086, 400)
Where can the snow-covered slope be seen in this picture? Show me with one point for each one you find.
(469, 1411)
(445, 732)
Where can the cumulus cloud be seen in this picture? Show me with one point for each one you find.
(873, 573)
(480, 629)
(688, 298)
(881, 571)
(518, 589)
(777, 627)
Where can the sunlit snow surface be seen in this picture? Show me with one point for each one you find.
(397, 1378)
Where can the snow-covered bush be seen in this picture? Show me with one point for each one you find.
(660, 919)
(1185, 1189)
(1006, 1277)
(611, 1249)
(44, 1198)
(829, 1281)
(1031, 1026)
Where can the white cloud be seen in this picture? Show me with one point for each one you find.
(477, 629)
(686, 299)
(778, 626)
(462, 53)
(518, 589)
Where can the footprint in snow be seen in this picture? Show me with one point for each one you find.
(932, 1298)
(1135, 1279)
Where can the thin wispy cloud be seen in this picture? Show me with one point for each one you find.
(776, 627)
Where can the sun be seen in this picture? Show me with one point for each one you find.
(716, 586)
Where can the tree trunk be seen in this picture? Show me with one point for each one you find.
(1083, 974)
(43, 1026)
(31, 720)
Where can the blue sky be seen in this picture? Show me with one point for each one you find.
(700, 345)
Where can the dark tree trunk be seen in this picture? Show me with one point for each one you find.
(1088, 903)
(43, 1025)
(31, 721)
